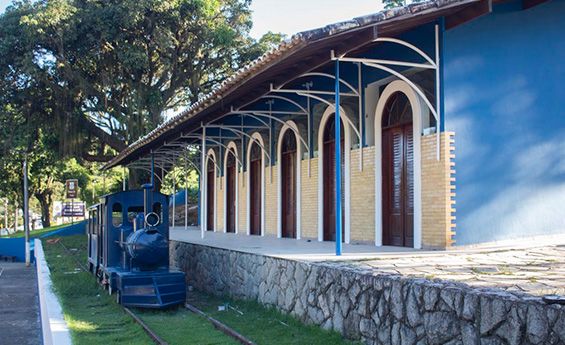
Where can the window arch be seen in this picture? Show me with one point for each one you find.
(231, 197)
(256, 185)
(285, 145)
(397, 111)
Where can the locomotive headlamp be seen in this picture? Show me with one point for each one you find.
(152, 219)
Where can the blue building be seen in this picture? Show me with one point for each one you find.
(451, 130)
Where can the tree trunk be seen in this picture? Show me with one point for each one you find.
(45, 201)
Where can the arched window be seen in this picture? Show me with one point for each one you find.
(231, 158)
(255, 153)
(117, 216)
(397, 111)
(289, 142)
(288, 178)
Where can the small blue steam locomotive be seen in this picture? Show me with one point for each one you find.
(128, 249)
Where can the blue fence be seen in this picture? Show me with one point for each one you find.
(16, 246)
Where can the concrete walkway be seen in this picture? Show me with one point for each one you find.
(535, 266)
(305, 250)
(19, 305)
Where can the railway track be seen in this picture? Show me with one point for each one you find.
(154, 336)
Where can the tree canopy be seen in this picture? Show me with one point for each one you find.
(85, 78)
(109, 71)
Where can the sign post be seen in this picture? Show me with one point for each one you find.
(72, 192)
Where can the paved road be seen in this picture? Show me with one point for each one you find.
(19, 305)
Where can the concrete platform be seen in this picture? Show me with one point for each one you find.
(307, 250)
(19, 305)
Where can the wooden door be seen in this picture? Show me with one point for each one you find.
(230, 192)
(210, 193)
(398, 173)
(255, 190)
(330, 182)
(288, 185)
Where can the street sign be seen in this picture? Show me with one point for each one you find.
(72, 188)
(73, 209)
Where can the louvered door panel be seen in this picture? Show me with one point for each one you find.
(408, 190)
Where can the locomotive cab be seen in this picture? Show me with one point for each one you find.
(128, 236)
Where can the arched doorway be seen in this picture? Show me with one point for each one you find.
(329, 185)
(210, 195)
(398, 171)
(255, 169)
(288, 177)
(231, 181)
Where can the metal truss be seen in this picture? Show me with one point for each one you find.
(433, 64)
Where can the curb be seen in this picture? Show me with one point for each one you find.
(53, 325)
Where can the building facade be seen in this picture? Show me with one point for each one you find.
(451, 130)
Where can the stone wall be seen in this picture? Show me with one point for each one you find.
(378, 309)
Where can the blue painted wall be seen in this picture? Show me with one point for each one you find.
(13, 247)
(505, 100)
(78, 228)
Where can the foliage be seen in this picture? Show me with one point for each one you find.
(84, 78)
(110, 70)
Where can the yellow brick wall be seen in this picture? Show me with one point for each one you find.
(242, 203)
(271, 205)
(219, 204)
(437, 207)
(309, 199)
(363, 196)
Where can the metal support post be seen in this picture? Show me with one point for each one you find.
(186, 193)
(6, 213)
(202, 183)
(338, 190)
(360, 105)
(174, 195)
(26, 214)
(16, 217)
(124, 179)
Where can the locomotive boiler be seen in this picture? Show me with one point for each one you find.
(128, 249)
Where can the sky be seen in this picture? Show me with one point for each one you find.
(292, 16)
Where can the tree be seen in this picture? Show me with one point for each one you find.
(112, 69)
(85, 78)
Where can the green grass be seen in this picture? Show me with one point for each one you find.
(95, 318)
(92, 315)
(264, 325)
(180, 326)
(36, 233)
